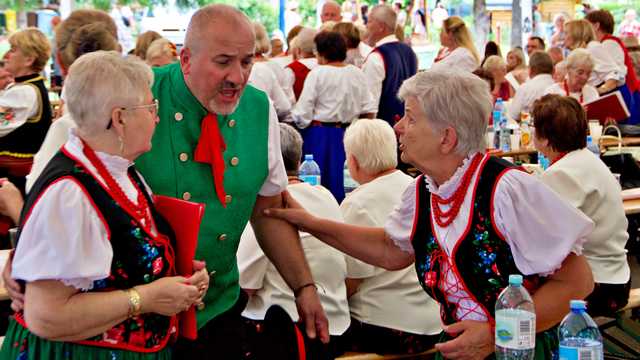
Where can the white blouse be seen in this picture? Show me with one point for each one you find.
(21, 100)
(460, 58)
(257, 272)
(588, 93)
(605, 67)
(540, 227)
(333, 94)
(310, 63)
(263, 78)
(65, 238)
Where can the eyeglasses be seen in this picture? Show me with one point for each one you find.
(153, 109)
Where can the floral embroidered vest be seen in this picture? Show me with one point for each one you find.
(481, 257)
(138, 257)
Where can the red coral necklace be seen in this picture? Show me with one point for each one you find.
(445, 218)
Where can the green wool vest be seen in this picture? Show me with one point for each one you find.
(169, 169)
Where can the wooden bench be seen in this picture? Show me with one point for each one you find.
(429, 354)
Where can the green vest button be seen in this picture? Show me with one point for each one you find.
(184, 157)
(228, 198)
(231, 123)
(234, 161)
(186, 196)
(200, 306)
(222, 237)
(178, 116)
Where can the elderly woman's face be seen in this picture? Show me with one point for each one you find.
(579, 75)
(17, 62)
(419, 140)
(140, 122)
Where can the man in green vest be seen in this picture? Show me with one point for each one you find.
(218, 143)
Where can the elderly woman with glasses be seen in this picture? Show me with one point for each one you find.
(469, 222)
(95, 257)
(579, 66)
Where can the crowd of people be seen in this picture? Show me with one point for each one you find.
(402, 264)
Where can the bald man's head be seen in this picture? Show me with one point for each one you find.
(218, 16)
(331, 11)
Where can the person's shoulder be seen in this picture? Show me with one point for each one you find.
(554, 89)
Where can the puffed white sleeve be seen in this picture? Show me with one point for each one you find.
(64, 238)
(252, 262)
(374, 71)
(276, 181)
(539, 226)
(399, 226)
(303, 111)
(17, 104)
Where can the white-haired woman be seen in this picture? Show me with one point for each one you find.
(303, 51)
(161, 52)
(390, 312)
(262, 74)
(467, 222)
(116, 293)
(579, 66)
(495, 67)
(260, 278)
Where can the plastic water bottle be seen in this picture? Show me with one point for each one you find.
(505, 139)
(515, 322)
(349, 183)
(496, 129)
(309, 170)
(594, 148)
(543, 161)
(579, 336)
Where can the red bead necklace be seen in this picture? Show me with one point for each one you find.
(139, 211)
(445, 218)
(566, 90)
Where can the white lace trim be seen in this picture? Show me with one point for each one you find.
(451, 185)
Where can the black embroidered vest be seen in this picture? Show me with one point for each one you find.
(138, 257)
(26, 140)
(481, 257)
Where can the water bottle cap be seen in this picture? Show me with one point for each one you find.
(308, 157)
(589, 138)
(515, 280)
(578, 305)
(499, 100)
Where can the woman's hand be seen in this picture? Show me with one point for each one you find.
(13, 287)
(200, 279)
(10, 200)
(168, 296)
(474, 340)
(291, 212)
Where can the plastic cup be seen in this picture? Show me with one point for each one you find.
(515, 141)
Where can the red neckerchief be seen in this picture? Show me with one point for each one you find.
(566, 90)
(560, 156)
(632, 78)
(209, 151)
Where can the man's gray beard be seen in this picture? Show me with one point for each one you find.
(215, 109)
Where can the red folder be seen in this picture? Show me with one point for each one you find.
(185, 218)
(607, 106)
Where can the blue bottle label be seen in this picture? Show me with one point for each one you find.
(311, 179)
(578, 353)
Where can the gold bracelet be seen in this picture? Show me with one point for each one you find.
(135, 302)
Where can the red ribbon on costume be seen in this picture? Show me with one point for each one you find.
(209, 151)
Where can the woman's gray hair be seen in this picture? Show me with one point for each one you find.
(291, 148)
(304, 41)
(579, 57)
(493, 62)
(100, 81)
(453, 98)
(373, 143)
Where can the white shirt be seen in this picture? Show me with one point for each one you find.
(283, 61)
(257, 272)
(615, 52)
(585, 182)
(364, 49)
(588, 93)
(310, 63)
(538, 243)
(392, 299)
(65, 238)
(604, 65)
(278, 70)
(263, 78)
(333, 94)
(530, 91)
(18, 102)
(273, 184)
(374, 71)
(460, 58)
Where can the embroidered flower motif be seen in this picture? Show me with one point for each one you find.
(157, 266)
(7, 115)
